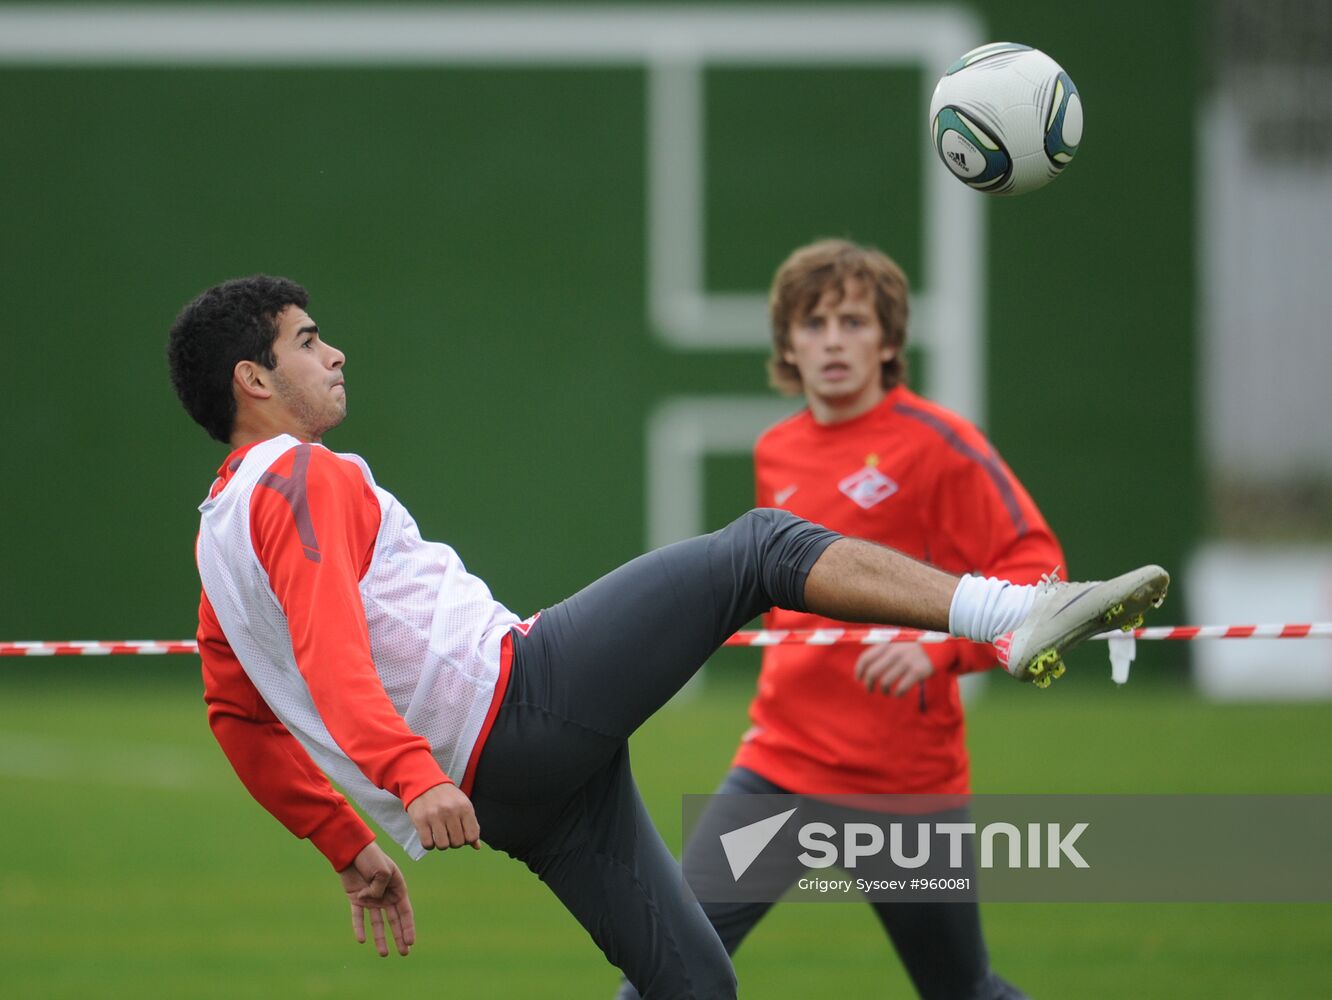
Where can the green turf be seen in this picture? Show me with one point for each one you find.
(135, 865)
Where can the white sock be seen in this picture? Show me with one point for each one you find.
(984, 608)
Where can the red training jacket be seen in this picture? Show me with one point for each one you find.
(915, 476)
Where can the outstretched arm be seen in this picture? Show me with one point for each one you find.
(269, 761)
(277, 771)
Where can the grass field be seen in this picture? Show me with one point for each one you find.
(135, 864)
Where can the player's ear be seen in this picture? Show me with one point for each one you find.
(251, 379)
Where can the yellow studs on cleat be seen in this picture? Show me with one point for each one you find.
(1037, 668)
(1110, 616)
(1045, 669)
(1130, 626)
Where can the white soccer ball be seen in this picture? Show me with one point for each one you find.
(1005, 119)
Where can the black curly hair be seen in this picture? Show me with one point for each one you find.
(229, 323)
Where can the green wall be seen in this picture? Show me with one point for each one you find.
(474, 240)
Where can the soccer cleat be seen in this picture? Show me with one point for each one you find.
(1064, 614)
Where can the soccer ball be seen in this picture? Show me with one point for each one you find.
(1005, 119)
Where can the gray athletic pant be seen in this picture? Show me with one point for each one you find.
(553, 787)
(939, 943)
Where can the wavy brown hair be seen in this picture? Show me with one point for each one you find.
(807, 274)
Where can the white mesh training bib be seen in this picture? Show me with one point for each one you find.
(435, 633)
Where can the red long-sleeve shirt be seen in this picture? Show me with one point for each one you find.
(313, 525)
(915, 476)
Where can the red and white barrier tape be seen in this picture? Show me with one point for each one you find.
(755, 637)
(874, 636)
(132, 647)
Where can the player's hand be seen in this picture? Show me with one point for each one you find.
(444, 818)
(893, 668)
(373, 882)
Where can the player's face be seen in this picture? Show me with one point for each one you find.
(308, 379)
(839, 351)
